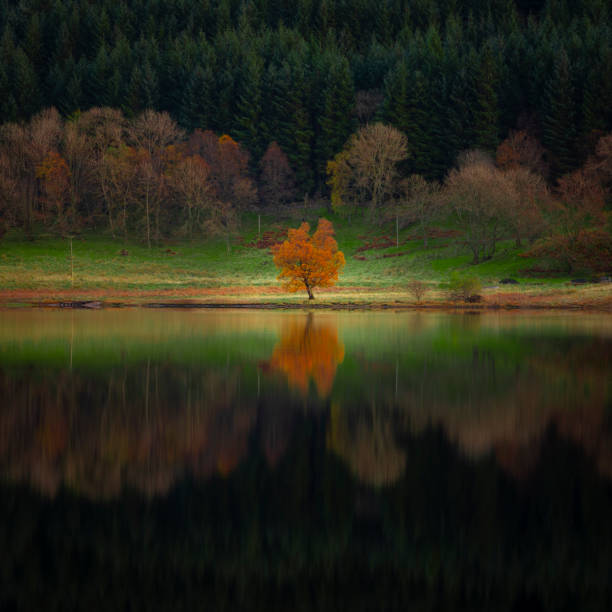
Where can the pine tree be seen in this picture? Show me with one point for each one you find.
(300, 127)
(96, 86)
(8, 106)
(459, 114)
(26, 87)
(198, 108)
(248, 122)
(408, 107)
(596, 104)
(486, 115)
(559, 117)
(277, 82)
(336, 123)
(395, 107)
(33, 43)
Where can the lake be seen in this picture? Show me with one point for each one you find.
(229, 460)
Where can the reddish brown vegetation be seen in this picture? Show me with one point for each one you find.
(305, 352)
(277, 184)
(269, 239)
(306, 261)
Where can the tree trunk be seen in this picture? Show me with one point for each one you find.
(124, 222)
(148, 222)
(310, 295)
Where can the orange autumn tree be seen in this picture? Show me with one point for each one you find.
(309, 261)
(307, 351)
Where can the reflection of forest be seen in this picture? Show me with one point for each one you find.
(484, 404)
(450, 534)
(145, 425)
(427, 479)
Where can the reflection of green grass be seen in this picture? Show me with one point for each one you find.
(113, 337)
(45, 262)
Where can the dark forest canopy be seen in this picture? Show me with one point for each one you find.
(451, 74)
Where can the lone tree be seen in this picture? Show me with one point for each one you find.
(307, 261)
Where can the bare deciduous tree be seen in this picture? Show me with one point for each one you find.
(154, 132)
(277, 182)
(190, 181)
(367, 102)
(481, 198)
(420, 201)
(531, 196)
(521, 150)
(368, 166)
(418, 289)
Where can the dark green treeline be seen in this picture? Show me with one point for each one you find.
(453, 74)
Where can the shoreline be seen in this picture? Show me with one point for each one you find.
(352, 306)
(593, 298)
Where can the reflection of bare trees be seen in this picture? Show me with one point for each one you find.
(99, 436)
(365, 439)
(145, 422)
(484, 405)
(308, 350)
(568, 389)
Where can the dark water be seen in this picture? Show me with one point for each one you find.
(185, 460)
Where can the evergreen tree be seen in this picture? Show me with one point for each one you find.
(277, 82)
(336, 122)
(559, 117)
(486, 115)
(198, 107)
(27, 89)
(96, 87)
(459, 115)
(249, 129)
(300, 128)
(143, 92)
(596, 104)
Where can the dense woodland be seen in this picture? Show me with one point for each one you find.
(281, 87)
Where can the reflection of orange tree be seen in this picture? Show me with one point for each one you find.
(365, 439)
(307, 351)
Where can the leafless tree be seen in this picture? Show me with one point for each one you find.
(367, 169)
(420, 201)
(190, 181)
(481, 197)
(367, 102)
(521, 150)
(525, 217)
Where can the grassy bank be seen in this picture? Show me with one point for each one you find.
(377, 271)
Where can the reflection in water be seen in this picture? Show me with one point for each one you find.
(158, 397)
(307, 351)
(444, 462)
(366, 440)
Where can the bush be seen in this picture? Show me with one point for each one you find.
(466, 289)
(589, 251)
(418, 289)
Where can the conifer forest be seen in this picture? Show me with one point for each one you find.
(304, 75)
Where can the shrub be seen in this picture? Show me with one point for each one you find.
(418, 289)
(466, 289)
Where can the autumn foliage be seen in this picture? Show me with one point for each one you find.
(54, 175)
(309, 261)
(308, 352)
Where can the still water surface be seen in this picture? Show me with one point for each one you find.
(331, 461)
